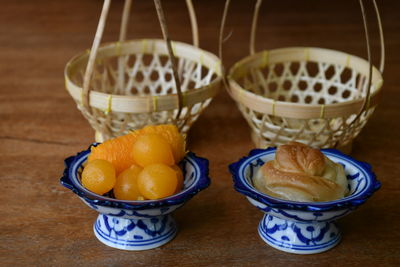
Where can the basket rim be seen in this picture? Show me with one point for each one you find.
(300, 110)
(151, 102)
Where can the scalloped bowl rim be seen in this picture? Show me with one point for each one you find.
(242, 186)
(70, 181)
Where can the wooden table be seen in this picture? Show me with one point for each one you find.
(43, 223)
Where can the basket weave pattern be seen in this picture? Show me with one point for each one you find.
(125, 85)
(316, 96)
(147, 73)
(302, 77)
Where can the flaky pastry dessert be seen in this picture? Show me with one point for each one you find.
(301, 173)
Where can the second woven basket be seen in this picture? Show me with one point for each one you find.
(316, 96)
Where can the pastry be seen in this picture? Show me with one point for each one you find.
(301, 173)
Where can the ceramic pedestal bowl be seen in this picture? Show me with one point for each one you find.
(136, 225)
(303, 227)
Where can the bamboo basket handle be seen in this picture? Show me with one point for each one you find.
(253, 32)
(93, 54)
(381, 37)
(125, 20)
(365, 105)
(193, 23)
(221, 40)
(122, 38)
(368, 93)
(365, 21)
(192, 16)
(254, 23)
(172, 58)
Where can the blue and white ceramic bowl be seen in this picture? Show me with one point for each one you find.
(303, 227)
(136, 225)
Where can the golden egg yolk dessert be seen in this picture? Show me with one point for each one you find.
(139, 165)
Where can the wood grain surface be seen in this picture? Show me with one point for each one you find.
(44, 224)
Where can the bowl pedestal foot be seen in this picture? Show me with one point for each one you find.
(134, 234)
(298, 237)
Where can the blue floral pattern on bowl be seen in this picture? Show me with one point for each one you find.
(136, 225)
(303, 227)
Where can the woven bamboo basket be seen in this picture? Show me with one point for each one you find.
(316, 96)
(126, 85)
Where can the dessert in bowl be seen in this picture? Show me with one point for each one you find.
(136, 225)
(304, 222)
(134, 184)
